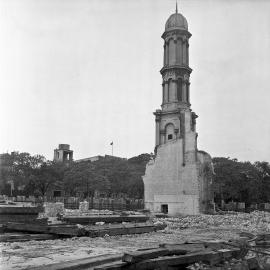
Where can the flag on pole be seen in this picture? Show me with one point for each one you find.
(112, 147)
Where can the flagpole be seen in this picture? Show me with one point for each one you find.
(112, 149)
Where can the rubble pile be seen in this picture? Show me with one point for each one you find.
(235, 264)
(56, 209)
(52, 209)
(252, 222)
(90, 212)
(84, 207)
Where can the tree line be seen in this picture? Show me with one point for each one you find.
(241, 181)
(26, 174)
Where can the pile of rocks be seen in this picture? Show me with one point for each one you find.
(84, 207)
(252, 222)
(83, 212)
(53, 209)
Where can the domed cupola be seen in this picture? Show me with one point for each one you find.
(176, 71)
(176, 20)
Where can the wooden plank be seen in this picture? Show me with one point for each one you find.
(23, 227)
(91, 231)
(265, 244)
(84, 263)
(67, 230)
(248, 235)
(137, 256)
(263, 236)
(17, 218)
(119, 229)
(187, 247)
(63, 229)
(112, 266)
(27, 210)
(120, 225)
(104, 218)
(207, 256)
(25, 237)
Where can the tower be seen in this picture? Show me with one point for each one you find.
(178, 180)
(175, 81)
(63, 153)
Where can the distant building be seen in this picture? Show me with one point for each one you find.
(95, 158)
(92, 159)
(63, 153)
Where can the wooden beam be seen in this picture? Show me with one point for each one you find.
(165, 262)
(137, 256)
(187, 247)
(25, 237)
(78, 264)
(27, 227)
(105, 218)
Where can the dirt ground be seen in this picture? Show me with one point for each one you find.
(22, 255)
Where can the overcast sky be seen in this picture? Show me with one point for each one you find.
(86, 73)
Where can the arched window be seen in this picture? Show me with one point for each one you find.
(169, 132)
(179, 90)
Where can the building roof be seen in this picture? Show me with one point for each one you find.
(176, 20)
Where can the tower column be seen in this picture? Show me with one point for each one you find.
(175, 50)
(171, 52)
(179, 52)
(187, 53)
(184, 92)
(165, 54)
(184, 52)
(157, 130)
(166, 92)
(174, 91)
(188, 97)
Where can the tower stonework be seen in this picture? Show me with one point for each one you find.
(178, 180)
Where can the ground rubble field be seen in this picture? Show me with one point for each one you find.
(23, 255)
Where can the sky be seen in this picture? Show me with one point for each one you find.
(86, 73)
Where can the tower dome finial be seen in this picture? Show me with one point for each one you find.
(176, 8)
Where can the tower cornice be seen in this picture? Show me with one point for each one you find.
(174, 31)
(181, 68)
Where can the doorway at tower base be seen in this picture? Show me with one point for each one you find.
(174, 205)
(178, 182)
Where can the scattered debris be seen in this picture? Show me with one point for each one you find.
(192, 256)
(251, 222)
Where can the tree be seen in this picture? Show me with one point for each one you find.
(264, 185)
(18, 168)
(237, 181)
(84, 178)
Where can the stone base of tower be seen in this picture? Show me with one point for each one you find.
(178, 182)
